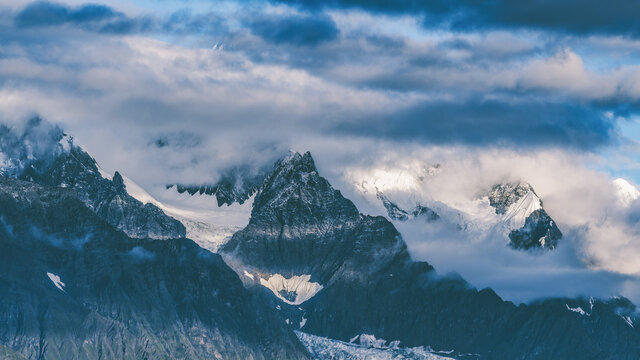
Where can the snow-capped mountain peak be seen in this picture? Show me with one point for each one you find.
(523, 218)
(42, 153)
(517, 212)
(503, 196)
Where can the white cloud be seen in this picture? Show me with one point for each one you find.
(597, 256)
(116, 95)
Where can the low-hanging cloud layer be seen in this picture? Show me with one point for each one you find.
(178, 91)
(596, 257)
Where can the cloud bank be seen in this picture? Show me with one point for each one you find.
(542, 91)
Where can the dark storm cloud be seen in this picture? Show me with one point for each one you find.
(47, 14)
(298, 30)
(573, 16)
(98, 18)
(481, 123)
(357, 63)
(104, 19)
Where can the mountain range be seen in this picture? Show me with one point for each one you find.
(92, 267)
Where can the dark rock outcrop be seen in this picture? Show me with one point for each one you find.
(539, 231)
(236, 184)
(301, 225)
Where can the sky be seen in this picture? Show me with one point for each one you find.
(172, 91)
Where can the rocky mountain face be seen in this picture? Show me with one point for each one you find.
(519, 200)
(82, 275)
(512, 211)
(301, 226)
(43, 154)
(75, 288)
(538, 231)
(235, 185)
(396, 213)
(503, 196)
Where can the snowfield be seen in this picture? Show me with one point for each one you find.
(301, 286)
(322, 348)
(208, 225)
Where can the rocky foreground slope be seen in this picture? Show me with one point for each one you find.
(73, 287)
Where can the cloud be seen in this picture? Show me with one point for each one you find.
(570, 16)
(491, 122)
(104, 19)
(180, 140)
(597, 256)
(300, 30)
(353, 88)
(141, 254)
(98, 18)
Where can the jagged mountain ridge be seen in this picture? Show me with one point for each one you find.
(513, 211)
(523, 211)
(503, 196)
(396, 213)
(518, 201)
(369, 284)
(304, 226)
(235, 185)
(43, 154)
(75, 288)
(301, 225)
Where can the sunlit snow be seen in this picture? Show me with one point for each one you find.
(209, 226)
(56, 281)
(579, 309)
(301, 286)
(322, 348)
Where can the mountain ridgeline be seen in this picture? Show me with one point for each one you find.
(236, 185)
(43, 154)
(89, 272)
(539, 230)
(300, 225)
(73, 287)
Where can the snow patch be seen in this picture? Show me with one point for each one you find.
(207, 224)
(247, 274)
(579, 309)
(138, 192)
(517, 213)
(294, 290)
(56, 281)
(371, 341)
(322, 348)
(303, 322)
(628, 320)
